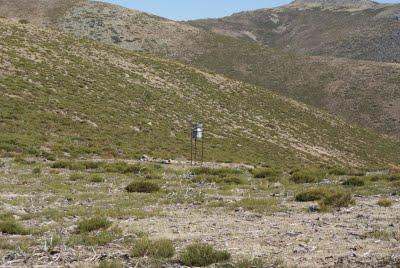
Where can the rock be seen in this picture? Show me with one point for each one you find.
(277, 185)
(145, 158)
(314, 208)
(166, 162)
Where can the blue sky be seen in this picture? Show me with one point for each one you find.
(196, 9)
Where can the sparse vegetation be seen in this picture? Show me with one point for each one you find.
(261, 173)
(93, 224)
(142, 187)
(76, 177)
(336, 199)
(96, 178)
(12, 227)
(153, 248)
(267, 205)
(203, 255)
(313, 194)
(307, 175)
(384, 202)
(354, 182)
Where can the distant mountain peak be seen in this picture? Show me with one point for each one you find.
(358, 4)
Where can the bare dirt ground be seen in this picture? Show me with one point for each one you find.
(186, 211)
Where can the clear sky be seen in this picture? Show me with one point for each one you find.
(197, 9)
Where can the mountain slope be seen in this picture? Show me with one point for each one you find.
(361, 92)
(356, 29)
(60, 94)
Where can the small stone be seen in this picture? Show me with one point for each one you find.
(314, 208)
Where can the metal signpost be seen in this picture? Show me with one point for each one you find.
(196, 135)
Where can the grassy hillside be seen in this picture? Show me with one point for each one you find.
(365, 93)
(67, 96)
(351, 29)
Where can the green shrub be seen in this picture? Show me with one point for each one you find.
(260, 205)
(221, 172)
(202, 255)
(336, 199)
(385, 202)
(142, 187)
(76, 177)
(313, 194)
(220, 180)
(93, 164)
(393, 177)
(110, 264)
(96, 178)
(254, 263)
(354, 182)
(125, 168)
(101, 238)
(93, 224)
(10, 226)
(23, 21)
(310, 175)
(157, 249)
(37, 170)
(262, 173)
(71, 165)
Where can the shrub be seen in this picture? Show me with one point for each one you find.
(262, 173)
(110, 264)
(313, 194)
(93, 224)
(259, 205)
(254, 263)
(393, 177)
(221, 172)
(157, 249)
(95, 239)
(96, 178)
(76, 177)
(310, 175)
(23, 21)
(37, 170)
(336, 199)
(202, 255)
(93, 164)
(220, 180)
(142, 187)
(354, 181)
(71, 165)
(10, 226)
(385, 203)
(124, 168)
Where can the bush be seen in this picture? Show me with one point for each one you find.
(93, 224)
(336, 199)
(156, 249)
(310, 175)
(221, 172)
(10, 226)
(385, 203)
(262, 173)
(110, 264)
(95, 239)
(76, 177)
(313, 194)
(142, 187)
(393, 177)
(354, 182)
(23, 21)
(220, 180)
(203, 255)
(259, 205)
(96, 179)
(37, 170)
(124, 168)
(71, 165)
